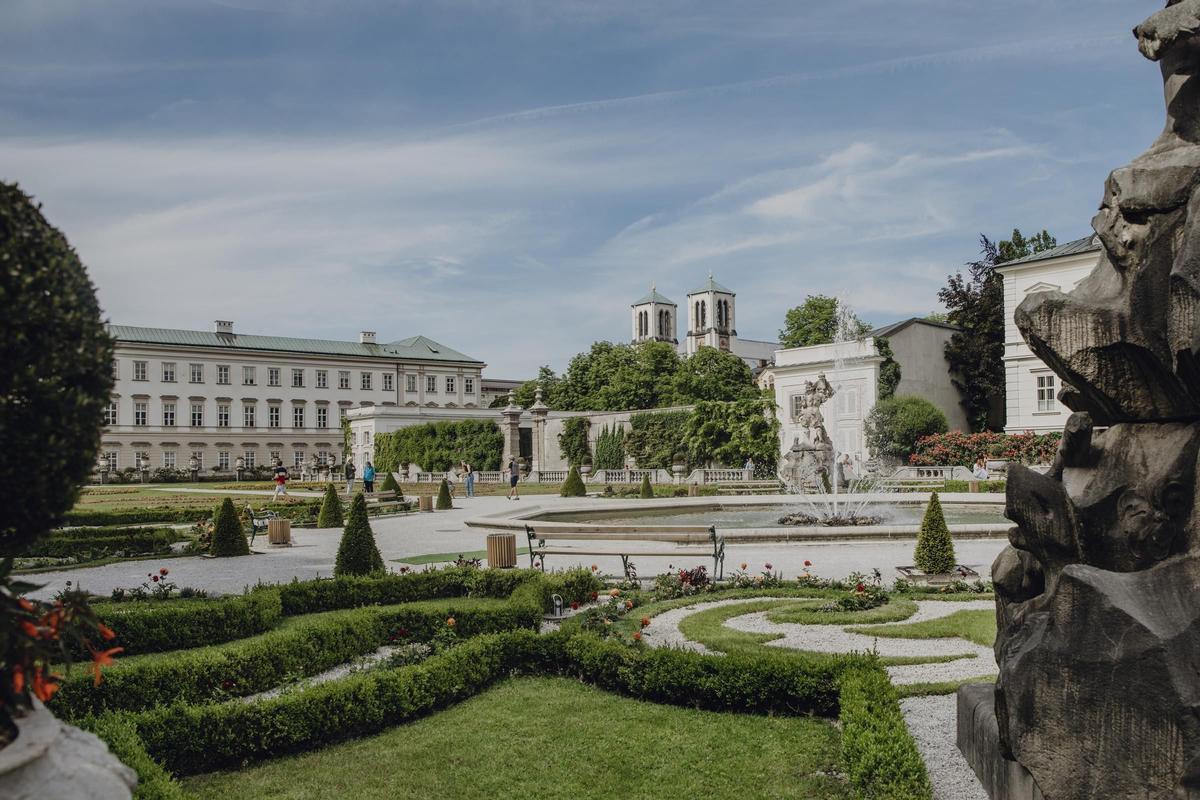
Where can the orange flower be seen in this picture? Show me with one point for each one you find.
(614, 593)
(645, 621)
(30, 629)
(628, 605)
(450, 622)
(103, 658)
(25, 604)
(44, 686)
(595, 568)
(108, 633)
(164, 572)
(637, 636)
(18, 674)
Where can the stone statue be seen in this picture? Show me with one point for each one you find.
(1098, 596)
(811, 455)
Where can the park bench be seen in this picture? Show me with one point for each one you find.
(259, 521)
(697, 541)
(378, 497)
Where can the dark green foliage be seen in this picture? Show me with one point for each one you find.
(93, 543)
(655, 437)
(357, 553)
(573, 441)
(889, 370)
(976, 304)
(297, 512)
(439, 446)
(152, 626)
(57, 372)
(729, 433)
(610, 448)
(350, 591)
(119, 732)
(815, 322)
(712, 374)
(935, 547)
(879, 757)
(573, 485)
(443, 502)
(646, 492)
(228, 539)
(390, 485)
(331, 509)
(894, 426)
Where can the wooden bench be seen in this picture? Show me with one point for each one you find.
(714, 544)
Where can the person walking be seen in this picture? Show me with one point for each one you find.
(368, 477)
(468, 478)
(349, 471)
(281, 476)
(513, 471)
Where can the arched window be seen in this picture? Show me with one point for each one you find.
(703, 314)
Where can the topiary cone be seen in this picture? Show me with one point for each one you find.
(646, 492)
(573, 485)
(390, 485)
(935, 547)
(331, 509)
(357, 553)
(228, 539)
(443, 499)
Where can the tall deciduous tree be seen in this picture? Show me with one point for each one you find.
(975, 303)
(712, 374)
(815, 322)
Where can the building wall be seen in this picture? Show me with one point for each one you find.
(1022, 368)
(920, 349)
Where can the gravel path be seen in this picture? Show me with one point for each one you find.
(932, 722)
(340, 671)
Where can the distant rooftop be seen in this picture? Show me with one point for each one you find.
(415, 347)
(895, 327)
(710, 286)
(654, 297)
(1084, 245)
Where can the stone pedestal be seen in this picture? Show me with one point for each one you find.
(511, 429)
(50, 759)
(979, 742)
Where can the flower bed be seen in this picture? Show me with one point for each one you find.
(957, 447)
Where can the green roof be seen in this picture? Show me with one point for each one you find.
(654, 297)
(415, 347)
(710, 286)
(1084, 245)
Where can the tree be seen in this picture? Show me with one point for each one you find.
(525, 394)
(228, 538)
(975, 304)
(57, 373)
(357, 553)
(730, 433)
(889, 370)
(935, 547)
(816, 322)
(390, 485)
(331, 509)
(610, 448)
(647, 491)
(712, 374)
(443, 497)
(573, 441)
(895, 425)
(573, 485)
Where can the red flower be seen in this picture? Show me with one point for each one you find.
(767, 566)
(637, 636)
(164, 572)
(628, 605)
(645, 621)
(44, 686)
(860, 588)
(595, 595)
(807, 563)
(18, 679)
(30, 629)
(574, 605)
(154, 578)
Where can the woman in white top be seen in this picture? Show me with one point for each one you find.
(981, 471)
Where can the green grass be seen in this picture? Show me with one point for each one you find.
(974, 626)
(543, 738)
(939, 687)
(805, 613)
(437, 558)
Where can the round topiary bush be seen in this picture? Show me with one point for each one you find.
(57, 374)
(935, 547)
(895, 425)
(647, 491)
(331, 509)
(228, 538)
(573, 485)
(357, 553)
(390, 485)
(443, 497)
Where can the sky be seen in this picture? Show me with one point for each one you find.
(507, 177)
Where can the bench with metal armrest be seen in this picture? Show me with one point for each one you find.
(714, 544)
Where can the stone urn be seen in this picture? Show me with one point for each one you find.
(585, 468)
(50, 759)
(678, 468)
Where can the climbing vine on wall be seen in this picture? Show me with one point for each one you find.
(654, 438)
(438, 446)
(610, 448)
(573, 441)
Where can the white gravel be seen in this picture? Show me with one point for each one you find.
(340, 671)
(932, 722)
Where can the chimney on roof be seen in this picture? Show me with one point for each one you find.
(224, 326)
(366, 337)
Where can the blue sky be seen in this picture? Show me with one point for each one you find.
(506, 177)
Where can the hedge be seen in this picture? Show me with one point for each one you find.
(438, 446)
(297, 512)
(120, 733)
(307, 597)
(879, 756)
(357, 553)
(152, 626)
(654, 438)
(96, 542)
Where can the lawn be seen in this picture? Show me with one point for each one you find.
(544, 738)
(974, 626)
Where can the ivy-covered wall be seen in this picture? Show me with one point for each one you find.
(654, 439)
(437, 446)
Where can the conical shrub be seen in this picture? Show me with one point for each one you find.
(443, 499)
(573, 485)
(390, 485)
(935, 547)
(647, 492)
(357, 554)
(228, 539)
(331, 509)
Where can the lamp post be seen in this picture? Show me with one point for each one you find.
(194, 466)
(241, 465)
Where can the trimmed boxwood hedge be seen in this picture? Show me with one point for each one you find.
(878, 755)
(120, 733)
(152, 626)
(94, 542)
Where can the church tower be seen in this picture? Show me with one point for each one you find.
(711, 317)
(654, 319)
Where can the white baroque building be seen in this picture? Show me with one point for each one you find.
(1031, 388)
(218, 395)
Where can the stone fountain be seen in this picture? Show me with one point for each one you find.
(1098, 596)
(811, 457)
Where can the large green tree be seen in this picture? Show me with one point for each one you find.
(816, 322)
(975, 303)
(712, 374)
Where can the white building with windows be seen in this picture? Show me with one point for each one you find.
(217, 396)
(1031, 389)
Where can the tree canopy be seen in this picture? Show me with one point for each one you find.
(815, 322)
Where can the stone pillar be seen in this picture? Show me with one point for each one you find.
(511, 428)
(538, 411)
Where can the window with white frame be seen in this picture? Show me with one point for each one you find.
(410, 383)
(272, 376)
(139, 370)
(199, 456)
(223, 374)
(110, 460)
(116, 368)
(168, 415)
(222, 459)
(322, 416)
(222, 415)
(297, 379)
(366, 437)
(195, 373)
(140, 413)
(248, 459)
(343, 379)
(1045, 392)
(272, 416)
(468, 386)
(141, 459)
(450, 385)
(322, 379)
(248, 416)
(388, 379)
(169, 459)
(322, 457)
(275, 456)
(197, 415)
(797, 405)
(110, 413)
(248, 376)
(297, 416)
(168, 372)
(430, 384)
(366, 380)
(848, 401)
(298, 458)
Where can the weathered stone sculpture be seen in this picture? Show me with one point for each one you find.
(1098, 598)
(811, 456)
